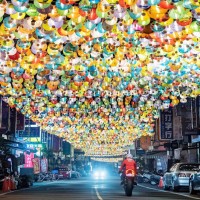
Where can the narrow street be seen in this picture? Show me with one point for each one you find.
(90, 189)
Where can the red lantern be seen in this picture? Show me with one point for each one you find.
(33, 109)
(66, 2)
(41, 54)
(26, 76)
(54, 100)
(15, 56)
(88, 79)
(62, 32)
(81, 73)
(83, 13)
(184, 22)
(130, 87)
(166, 5)
(92, 15)
(122, 3)
(78, 83)
(163, 98)
(140, 91)
(90, 100)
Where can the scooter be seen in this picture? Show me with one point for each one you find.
(154, 180)
(129, 182)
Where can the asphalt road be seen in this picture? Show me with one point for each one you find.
(89, 189)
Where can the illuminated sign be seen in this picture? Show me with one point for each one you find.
(34, 146)
(28, 160)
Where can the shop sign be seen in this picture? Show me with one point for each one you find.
(34, 146)
(30, 132)
(166, 124)
(36, 165)
(13, 121)
(20, 121)
(189, 117)
(197, 139)
(28, 160)
(4, 116)
(44, 165)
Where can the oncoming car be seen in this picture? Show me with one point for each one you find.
(99, 174)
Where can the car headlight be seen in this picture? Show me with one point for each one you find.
(103, 174)
(99, 174)
(96, 174)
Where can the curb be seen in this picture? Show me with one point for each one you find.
(34, 186)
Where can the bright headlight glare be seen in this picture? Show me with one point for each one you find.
(96, 174)
(103, 173)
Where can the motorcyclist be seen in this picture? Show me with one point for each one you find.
(128, 163)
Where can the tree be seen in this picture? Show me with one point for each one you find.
(47, 152)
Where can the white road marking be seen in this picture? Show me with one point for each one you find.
(184, 195)
(98, 195)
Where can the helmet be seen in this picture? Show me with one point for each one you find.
(129, 155)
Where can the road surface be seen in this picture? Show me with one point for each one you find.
(90, 189)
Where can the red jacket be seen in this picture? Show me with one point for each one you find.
(129, 164)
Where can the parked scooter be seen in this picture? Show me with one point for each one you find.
(146, 177)
(149, 177)
(154, 180)
(25, 181)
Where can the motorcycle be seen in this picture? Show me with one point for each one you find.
(129, 182)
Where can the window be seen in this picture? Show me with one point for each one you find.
(173, 168)
(189, 167)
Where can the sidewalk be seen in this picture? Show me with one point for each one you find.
(150, 186)
(35, 184)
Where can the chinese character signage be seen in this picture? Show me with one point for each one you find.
(44, 165)
(166, 124)
(36, 165)
(34, 145)
(28, 160)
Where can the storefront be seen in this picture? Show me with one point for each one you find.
(10, 156)
(156, 161)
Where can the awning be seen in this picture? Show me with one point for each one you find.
(14, 144)
(155, 155)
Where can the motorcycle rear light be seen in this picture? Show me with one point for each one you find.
(130, 172)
